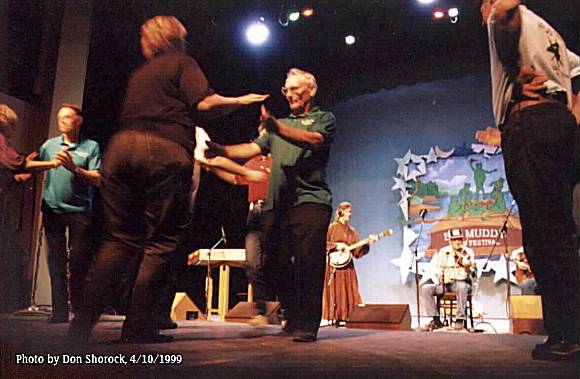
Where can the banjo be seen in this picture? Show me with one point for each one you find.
(341, 258)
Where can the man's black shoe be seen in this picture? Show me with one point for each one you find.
(556, 351)
(166, 324)
(305, 337)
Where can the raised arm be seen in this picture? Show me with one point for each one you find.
(506, 21)
(304, 138)
(216, 105)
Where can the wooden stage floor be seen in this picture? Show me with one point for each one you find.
(232, 350)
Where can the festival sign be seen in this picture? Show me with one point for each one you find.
(463, 188)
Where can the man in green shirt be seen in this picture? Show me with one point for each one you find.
(298, 207)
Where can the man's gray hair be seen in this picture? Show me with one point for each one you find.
(304, 75)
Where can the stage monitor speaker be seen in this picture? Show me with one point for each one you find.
(526, 314)
(244, 311)
(380, 316)
(184, 308)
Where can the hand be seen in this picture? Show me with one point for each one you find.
(533, 83)
(32, 156)
(64, 158)
(373, 238)
(489, 136)
(214, 150)
(251, 98)
(267, 121)
(341, 246)
(22, 177)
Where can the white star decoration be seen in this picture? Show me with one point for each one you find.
(501, 272)
(401, 167)
(405, 263)
(421, 170)
(431, 157)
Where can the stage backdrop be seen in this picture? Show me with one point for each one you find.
(399, 149)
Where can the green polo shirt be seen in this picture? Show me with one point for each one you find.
(298, 173)
(64, 192)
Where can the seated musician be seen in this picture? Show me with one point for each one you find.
(341, 292)
(524, 274)
(453, 266)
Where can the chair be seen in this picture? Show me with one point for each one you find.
(447, 305)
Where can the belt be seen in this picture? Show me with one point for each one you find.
(518, 104)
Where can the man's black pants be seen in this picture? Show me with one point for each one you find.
(539, 146)
(299, 234)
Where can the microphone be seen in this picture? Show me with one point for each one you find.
(224, 236)
(422, 213)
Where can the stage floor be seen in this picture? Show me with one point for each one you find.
(231, 350)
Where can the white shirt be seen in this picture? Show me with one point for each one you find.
(451, 266)
(541, 48)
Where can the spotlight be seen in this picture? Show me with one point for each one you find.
(293, 16)
(426, 1)
(257, 33)
(307, 12)
(438, 14)
(453, 12)
(349, 39)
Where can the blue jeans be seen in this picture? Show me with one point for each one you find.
(429, 291)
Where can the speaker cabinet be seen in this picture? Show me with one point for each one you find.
(380, 316)
(526, 315)
(184, 308)
(244, 311)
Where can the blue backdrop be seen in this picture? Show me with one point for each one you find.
(372, 130)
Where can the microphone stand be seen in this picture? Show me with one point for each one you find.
(503, 233)
(33, 309)
(208, 278)
(416, 262)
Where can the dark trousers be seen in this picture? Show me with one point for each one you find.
(299, 234)
(146, 190)
(539, 145)
(76, 253)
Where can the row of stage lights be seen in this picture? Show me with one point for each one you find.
(440, 14)
(257, 33)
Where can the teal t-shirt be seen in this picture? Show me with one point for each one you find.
(299, 174)
(64, 192)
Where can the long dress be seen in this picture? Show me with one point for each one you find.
(344, 285)
(11, 254)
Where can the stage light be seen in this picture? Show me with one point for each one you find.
(257, 33)
(453, 12)
(349, 39)
(293, 16)
(426, 1)
(307, 12)
(438, 14)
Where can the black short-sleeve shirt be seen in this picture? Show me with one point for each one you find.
(162, 96)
